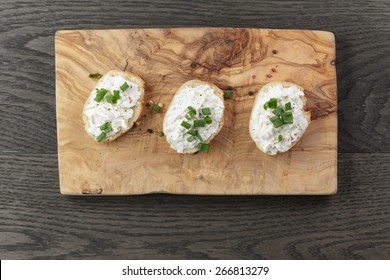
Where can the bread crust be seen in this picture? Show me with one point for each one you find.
(217, 91)
(138, 109)
(304, 108)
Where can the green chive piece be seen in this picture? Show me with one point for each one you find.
(206, 111)
(287, 117)
(116, 94)
(208, 120)
(124, 86)
(287, 107)
(278, 111)
(101, 137)
(100, 93)
(191, 138)
(111, 99)
(198, 135)
(156, 108)
(203, 147)
(191, 132)
(190, 115)
(280, 137)
(185, 124)
(229, 94)
(94, 75)
(266, 105)
(273, 102)
(106, 127)
(276, 121)
(199, 123)
(191, 109)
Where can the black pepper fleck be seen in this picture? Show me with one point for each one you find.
(251, 93)
(274, 51)
(149, 130)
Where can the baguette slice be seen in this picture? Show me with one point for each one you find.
(197, 94)
(262, 130)
(121, 115)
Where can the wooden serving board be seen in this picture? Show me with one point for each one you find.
(142, 162)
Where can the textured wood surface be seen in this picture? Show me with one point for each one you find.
(37, 222)
(141, 162)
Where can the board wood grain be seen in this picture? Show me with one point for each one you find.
(141, 161)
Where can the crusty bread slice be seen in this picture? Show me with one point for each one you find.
(138, 108)
(217, 91)
(306, 113)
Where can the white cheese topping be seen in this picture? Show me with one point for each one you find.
(98, 113)
(263, 131)
(201, 96)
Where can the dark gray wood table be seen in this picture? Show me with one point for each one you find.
(36, 222)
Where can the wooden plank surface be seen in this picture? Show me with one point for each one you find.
(36, 222)
(141, 162)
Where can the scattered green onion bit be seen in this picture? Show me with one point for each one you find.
(287, 107)
(116, 94)
(101, 137)
(273, 102)
(266, 105)
(191, 138)
(190, 115)
(206, 111)
(191, 132)
(191, 109)
(199, 123)
(106, 127)
(156, 108)
(203, 147)
(100, 93)
(124, 86)
(208, 120)
(111, 99)
(94, 75)
(229, 94)
(276, 121)
(278, 111)
(280, 137)
(287, 117)
(198, 135)
(186, 125)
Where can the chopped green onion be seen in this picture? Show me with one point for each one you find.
(124, 86)
(287, 117)
(273, 102)
(101, 137)
(198, 135)
(190, 115)
(276, 121)
(94, 75)
(191, 132)
(208, 120)
(111, 99)
(278, 111)
(106, 127)
(280, 137)
(229, 94)
(116, 94)
(185, 124)
(287, 107)
(206, 111)
(100, 93)
(203, 147)
(191, 138)
(266, 105)
(156, 108)
(199, 123)
(191, 109)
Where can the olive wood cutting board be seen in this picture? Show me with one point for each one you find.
(141, 161)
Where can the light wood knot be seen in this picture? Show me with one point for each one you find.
(200, 176)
